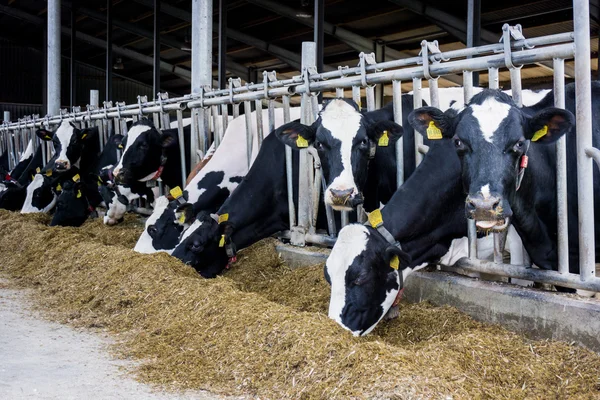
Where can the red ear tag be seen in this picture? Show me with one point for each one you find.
(524, 161)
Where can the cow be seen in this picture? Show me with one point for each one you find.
(14, 197)
(211, 186)
(508, 167)
(72, 205)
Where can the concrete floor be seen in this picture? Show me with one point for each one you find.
(46, 360)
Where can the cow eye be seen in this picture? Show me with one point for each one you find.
(364, 142)
(518, 147)
(317, 145)
(458, 143)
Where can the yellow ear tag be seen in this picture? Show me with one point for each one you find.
(384, 140)
(222, 241)
(223, 218)
(301, 142)
(375, 218)
(84, 135)
(32, 177)
(78, 194)
(433, 132)
(540, 134)
(176, 192)
(120, 146)
(49, 172)
(182, 218)
(395, 262)
(37, 170)
(58, 187)
(47, 137)
(76, 178)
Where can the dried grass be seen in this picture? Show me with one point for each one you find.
(263, 329)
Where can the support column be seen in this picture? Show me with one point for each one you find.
(72, 67)
(156, 77)
(474, 30)
(202, 11)
(222, 44)
(319, 36)
(109, 58)
(53, 74)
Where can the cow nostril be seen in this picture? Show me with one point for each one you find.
(344, 193)
(471, 206)
(495, 204)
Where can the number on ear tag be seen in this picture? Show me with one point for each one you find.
(384, 140)
(222, 241)
(395, 262)
(301, 142)
(176, 192)
(540, 134)
(223, 218)
(375, 218)
(79, 194)
(433, 132)
(76, 178)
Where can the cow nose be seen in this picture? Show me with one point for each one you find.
(488, 204)
(61, 165)
(343, 194)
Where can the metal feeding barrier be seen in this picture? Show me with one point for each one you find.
(211, 108)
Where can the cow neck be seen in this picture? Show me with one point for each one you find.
(521, 166)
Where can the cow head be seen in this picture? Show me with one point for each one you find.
(143, 148)
(345, 139)
(199, 247)
(161, 233)
(72, 208)
(42, 194)
(68, 142)
(365, 279)
(491, 135)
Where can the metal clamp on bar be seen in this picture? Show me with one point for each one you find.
(47, 117)
(343, 71)
(64, 112)
(144, 100)
(516, 33)
(119, 109)
(74, 111)
(268, 77)
(426, 49)
(364, 60)
(233, 83)
(107, 105)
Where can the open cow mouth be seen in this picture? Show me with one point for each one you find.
(492, 225)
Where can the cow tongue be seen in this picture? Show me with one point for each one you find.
(486, 224)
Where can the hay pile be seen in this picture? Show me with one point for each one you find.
(257, 331)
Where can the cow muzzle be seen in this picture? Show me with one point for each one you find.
(488, 213)
(62, 165)
(345, 199)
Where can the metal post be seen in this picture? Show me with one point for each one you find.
(417, 103)
(249, 132)
(202, 11)
(583, 95)
(195, 130)
(467, 86)
(156, 75)
(493, 79)
(379, 57)
(259, 122)
(109, 53)
(339, 92)
(217, 134)
(356, 96)
(561, 173)
(72, 68)
(434, 93)
(472, 237)
(11, 163)
(288, 166)
(474, 29)
(397, 101)
(370, 92)
(222, 44)
(515, 86)
(319, 36)
(54, 53)
(181, 146)
(225, 118)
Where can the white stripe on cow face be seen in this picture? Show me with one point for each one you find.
(64, 134)
(131, 136)
(490, 115)
(28, 151)
(343, 122)
(188, 232)
(485, 191)
(352, 241)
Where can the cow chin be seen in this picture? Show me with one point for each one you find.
(343, 203)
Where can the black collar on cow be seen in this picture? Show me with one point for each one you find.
(522, 165)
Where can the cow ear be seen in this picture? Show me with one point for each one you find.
(396, 258)
(88, 133)
(169, 138)
(431, 123)
(383, 132)
(296, 135)
(117, 139)
(549, 125)
(44, 134)
(185, 214)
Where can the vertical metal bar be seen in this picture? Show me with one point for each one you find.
(224, 117)
(493, 78)
(72, 67)
(339, 92)
(583, 96)
(54, 57)
(288, 165)
(195, 129)
(249, 131)
(370, 91)
(499, 244)
(356, 96)
(474, 29)
(109, 53)
(417, 103)
(236, 110)
(181, 146)
(202, 18)
(379, 57)
(319, 37)
(223, 45)
(472, 237)
(156, 46)
(397, 101)
(434, 93)
(515, 86)
(271, 114)
(204, 130)
(216, 126)
(156, 120)
(467, 86)
(561, 173)
(259, 122)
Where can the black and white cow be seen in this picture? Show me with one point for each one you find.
(491, 136)
(72, 206)
(14, 196)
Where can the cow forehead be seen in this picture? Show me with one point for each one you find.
(64, 133)
(134, 133)
(189, 231)
(489, 115)
(341, 120)
(160, 206)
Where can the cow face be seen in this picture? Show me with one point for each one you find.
(364, 283)
(143, 148)
(199, 247)
(72, 208)
(345, 140)
(41, 195)
(116, 205)
(161, 233)
(68, 141)
(491, 135)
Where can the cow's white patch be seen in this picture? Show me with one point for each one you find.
(343, 121)
(28, 151)
(38, 181)
(390, 297)
(2, 187)
(132, 135)
(144, 243)
(351, 242)
(490, 115)
(188, 232)
(116, 210)
(64, 133)
(485, 191)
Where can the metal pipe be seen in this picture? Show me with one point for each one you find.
(202, 28)
(316, 189)
(194, 138)
(522, 272)
(434, 93)
(54, 57)
(156, 46)
(319, 37)
(561, 173)
(313, 238)
(222, 72)
(214, 111)
(109, 51)
(332, 229)
(181, 146)
(472, 238)
(339, 93)
(585, 183)
(72, 70)
(288, 166)
(467, 85)
(249, 132)
(515, 86)
(259, 122)
(224, 117)
(370, 92)
(417, 103)
(271, 115)
(397, 102)
(474, 29)
(493, 78)
(356, 96)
